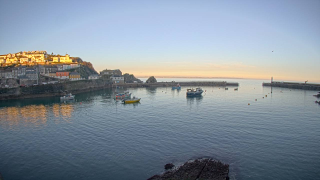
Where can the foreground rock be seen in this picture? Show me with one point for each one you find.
(168, 166)
(201, 169)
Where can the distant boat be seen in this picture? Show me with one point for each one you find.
(194, 92)
(133, 100)
(226, 88)
(67, 97)
(178, 87)
(236, 89)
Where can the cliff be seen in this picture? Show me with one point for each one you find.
(84, 70)
(84, 63)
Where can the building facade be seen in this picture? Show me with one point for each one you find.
(115, 72)
(117, 79)
(93, 76)
(62, 75)
(74, 76)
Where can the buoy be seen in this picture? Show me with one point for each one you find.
(256, 100)
(262, 97)
(248, 104)
(266, 95)
(80, 102)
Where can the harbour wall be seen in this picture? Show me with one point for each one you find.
(294, 85)
(48, 90)
(170, 84)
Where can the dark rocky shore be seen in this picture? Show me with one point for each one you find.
(199, 169)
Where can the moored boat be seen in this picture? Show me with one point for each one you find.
(67, 97)
(133, 100)
(178, 87)
(194, 92)
(124, 95)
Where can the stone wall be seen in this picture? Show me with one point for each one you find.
(304, 86)
(57, 89)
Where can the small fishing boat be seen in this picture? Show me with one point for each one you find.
(178, 87)
(236, 89)
(124, 95)
(67, 97)
(133, 100)
(226, 88)
(194, 92)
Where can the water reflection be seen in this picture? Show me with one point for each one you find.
(36, 112)
(151, 90)
(132, 104)
(34, 115)
(195, 99)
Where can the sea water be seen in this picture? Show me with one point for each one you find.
(261, 135)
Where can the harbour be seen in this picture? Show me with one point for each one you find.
(96, 136)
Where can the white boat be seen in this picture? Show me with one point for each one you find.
(67, 97)
(196, 92)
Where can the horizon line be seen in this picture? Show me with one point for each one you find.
(195, 77)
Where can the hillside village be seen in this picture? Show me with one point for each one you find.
(30, 68)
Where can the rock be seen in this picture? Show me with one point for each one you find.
(204, 169)
(130, 78)
(151, 79)
(168, 166)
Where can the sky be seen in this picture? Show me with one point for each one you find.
(173, 38)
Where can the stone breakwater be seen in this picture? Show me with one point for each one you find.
(293, 85)
(48, 90)
(204, 169)
(170, 84)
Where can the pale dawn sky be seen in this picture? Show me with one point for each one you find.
(208, 38)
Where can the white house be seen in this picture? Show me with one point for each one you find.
(117, 79)
(93, 76)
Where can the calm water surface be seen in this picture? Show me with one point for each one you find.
(96, 137)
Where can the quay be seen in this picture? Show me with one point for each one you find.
(170, 84)
(293, 85)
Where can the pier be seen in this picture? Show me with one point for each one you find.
(170, 84)
(294, 85)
